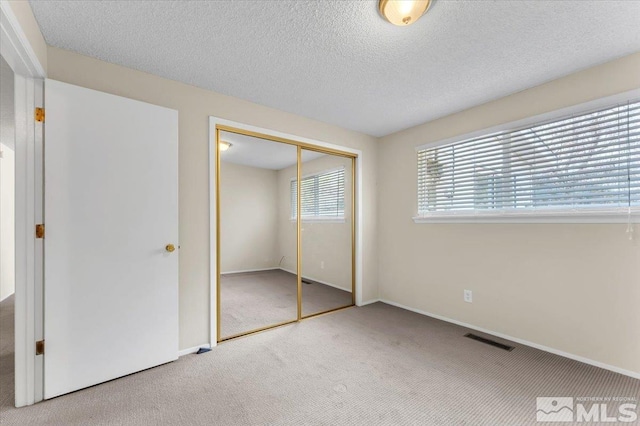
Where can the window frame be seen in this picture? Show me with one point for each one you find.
(550, 215)
(321, 219)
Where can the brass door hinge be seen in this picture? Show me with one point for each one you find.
(39, 230)
(39, 114)
(40, 347)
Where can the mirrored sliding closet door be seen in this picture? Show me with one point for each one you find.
(327, 251)
(258, 285)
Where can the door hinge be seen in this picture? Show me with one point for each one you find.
(40, 347)
(39, 230)
(39, 115)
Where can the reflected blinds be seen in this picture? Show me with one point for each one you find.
(322, 195)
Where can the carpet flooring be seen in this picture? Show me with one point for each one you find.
(374, 365)
(252, 300)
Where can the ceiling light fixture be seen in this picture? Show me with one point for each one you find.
(224, 145)
(403, 12)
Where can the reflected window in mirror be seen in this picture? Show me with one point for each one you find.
(322, 196)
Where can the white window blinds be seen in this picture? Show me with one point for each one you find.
(322, 195)
(580, 163)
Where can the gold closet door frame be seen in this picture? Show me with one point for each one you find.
(300, 145)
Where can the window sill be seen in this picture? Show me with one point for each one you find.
(564, 216)
(320, 220)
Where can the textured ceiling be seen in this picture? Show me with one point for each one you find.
(339, 61)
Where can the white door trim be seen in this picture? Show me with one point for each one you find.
(16, 48)
(29, 72)
(213, 121)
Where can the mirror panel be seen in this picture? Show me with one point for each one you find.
(326, 237)
(257, 240)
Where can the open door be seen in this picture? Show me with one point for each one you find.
(111, 218)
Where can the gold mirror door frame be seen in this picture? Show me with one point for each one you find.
(300, 145)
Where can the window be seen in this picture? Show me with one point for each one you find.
(322, 196)
(583, 164)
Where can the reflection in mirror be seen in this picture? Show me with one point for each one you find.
(258, 281)
(326, 211)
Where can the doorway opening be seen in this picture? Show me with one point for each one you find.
(7, 234)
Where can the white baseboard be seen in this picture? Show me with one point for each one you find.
(8, 295)
(317, 281)
(193, 350)
(249, 270)
(368, 302)
(635, 375)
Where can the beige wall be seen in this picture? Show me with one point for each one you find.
(249, 218)
(327, 244)
(23, 13)
(575, 288)
(570, 287)
(194, 106)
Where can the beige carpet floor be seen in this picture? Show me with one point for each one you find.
(251, 300)
(375, 365)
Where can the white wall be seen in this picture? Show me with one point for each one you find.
(7, 105)
(195, 105)
(248, 213)
(328, 243)
(7, 182)
(7, 222)
(571, 287)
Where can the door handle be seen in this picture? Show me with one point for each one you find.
(170, 248)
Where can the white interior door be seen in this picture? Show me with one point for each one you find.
(111, 208)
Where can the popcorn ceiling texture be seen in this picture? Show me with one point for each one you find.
(339, 61)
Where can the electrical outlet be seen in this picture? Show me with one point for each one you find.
(322, 264)
(468, 296)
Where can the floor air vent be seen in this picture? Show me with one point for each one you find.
(489, 342)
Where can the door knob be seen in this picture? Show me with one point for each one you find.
(170, 248)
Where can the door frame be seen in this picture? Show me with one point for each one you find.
(214, 124)
(29, 92)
